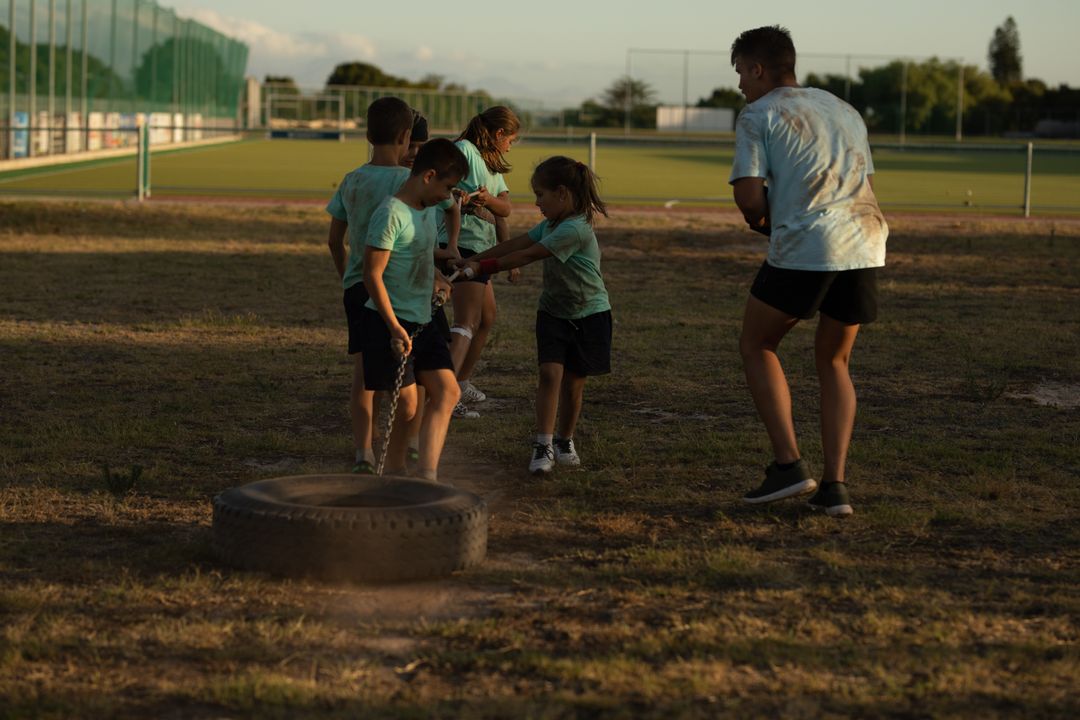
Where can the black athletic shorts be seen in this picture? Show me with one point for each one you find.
(430, 352)
(581, 346)
(438, 319)
(848, 296)
(354, 299)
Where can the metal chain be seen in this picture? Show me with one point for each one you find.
(437, 303)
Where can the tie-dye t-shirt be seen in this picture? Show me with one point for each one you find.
(812, 150)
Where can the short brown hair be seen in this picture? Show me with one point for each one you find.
(442, 156)
(387, 118)
(771, 46)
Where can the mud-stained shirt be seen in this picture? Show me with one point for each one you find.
(812, 150)
(409, 277)
(573, 285)
(359, 193)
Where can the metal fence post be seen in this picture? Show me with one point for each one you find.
(142, 165)
(1027, 180)
(11, 80)
(592, 152)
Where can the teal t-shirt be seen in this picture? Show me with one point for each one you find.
(476, 234)
(359, 193)
(409, 235)
(573, 285)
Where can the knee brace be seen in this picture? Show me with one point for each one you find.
(463, 331)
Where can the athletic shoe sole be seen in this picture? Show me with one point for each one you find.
(802, 488)
(833, 511)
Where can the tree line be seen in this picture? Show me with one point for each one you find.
(914, 96)
(926, 93)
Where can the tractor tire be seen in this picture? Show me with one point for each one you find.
(350, 527)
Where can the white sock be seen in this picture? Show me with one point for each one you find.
(414, 442)
(544, 439)
(429, 474)
(365, 455)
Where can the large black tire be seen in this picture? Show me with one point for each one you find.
(350, 527)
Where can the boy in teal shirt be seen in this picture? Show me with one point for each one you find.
(400, 274)
(389, 122)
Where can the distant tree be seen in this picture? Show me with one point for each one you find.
(638, 92)
(1004, 55)
(360, 73)
(724, 98)
(283, 85)
(843, 87)
(432, 81)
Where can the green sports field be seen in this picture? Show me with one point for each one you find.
(988, 179)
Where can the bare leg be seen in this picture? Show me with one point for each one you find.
(468, 300)
(443, 393)
(547, 397)
(399, 440)
(418, 417)
(360, 406)
(571, 392)
(832, 351)
(763, 329)
(487, 321)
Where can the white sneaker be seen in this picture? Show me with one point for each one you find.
(460, 411)
(470, 394)
(543, 459)
(565, 452)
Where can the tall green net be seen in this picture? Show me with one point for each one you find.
(68, 65)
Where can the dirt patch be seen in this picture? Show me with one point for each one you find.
(1052, 394)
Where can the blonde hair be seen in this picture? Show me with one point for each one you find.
(481, 133)
(577, 178)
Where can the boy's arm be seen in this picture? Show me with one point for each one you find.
(752, 200)
(375, 261)
(336, 242)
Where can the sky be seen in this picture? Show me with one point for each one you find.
(561, 52)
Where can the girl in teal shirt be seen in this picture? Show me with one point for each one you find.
(573, 323)
(485, 142)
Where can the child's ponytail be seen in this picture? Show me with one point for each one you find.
(481, 132)
(577, 178)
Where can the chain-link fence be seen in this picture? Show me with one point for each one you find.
(79, 75)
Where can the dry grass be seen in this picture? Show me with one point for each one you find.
(205, 344)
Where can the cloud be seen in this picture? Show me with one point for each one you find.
(308, 57)
(423, 53)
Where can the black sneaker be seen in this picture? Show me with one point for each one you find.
(833, 499)
(780, 484)
(364, 468)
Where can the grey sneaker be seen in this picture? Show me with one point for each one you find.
(565, 452)
(470, 394)
(543, 459)
(460, 411)
(833, 498)
(780, 484)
